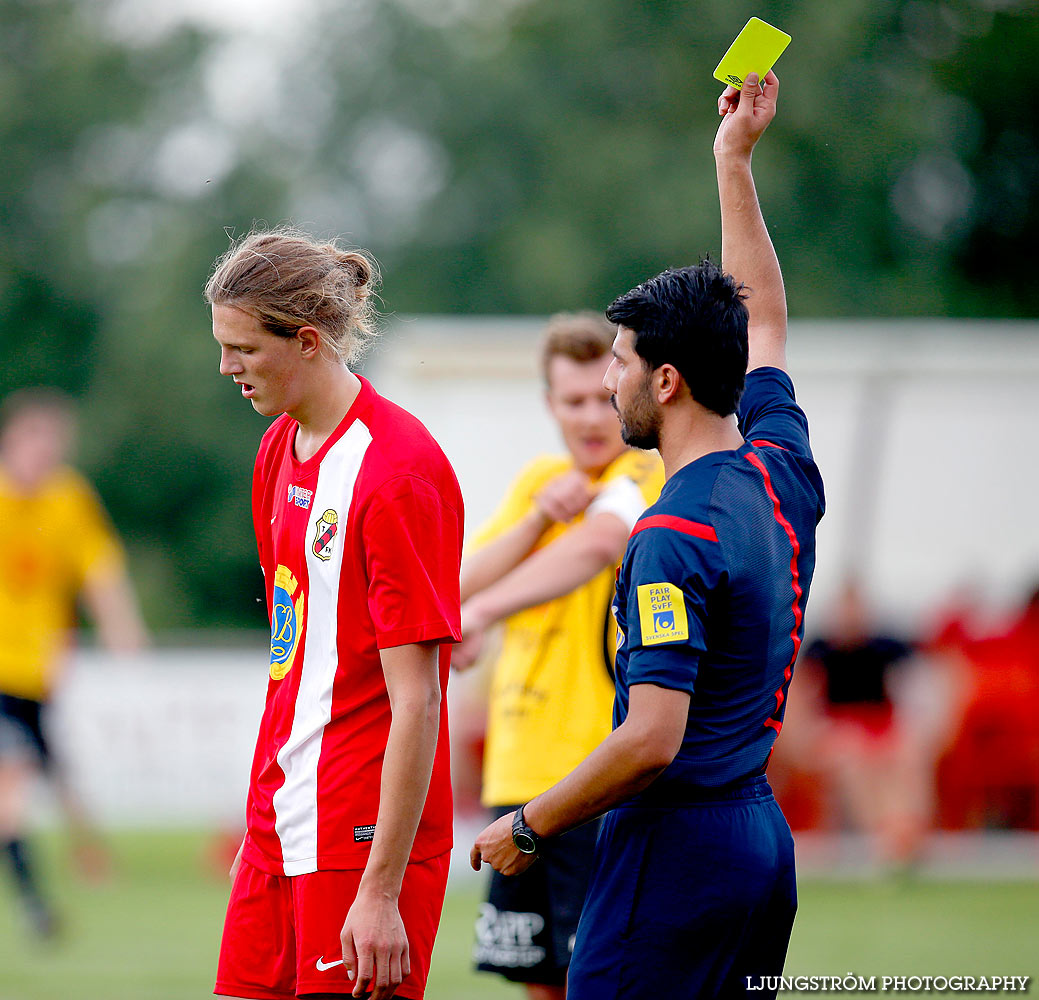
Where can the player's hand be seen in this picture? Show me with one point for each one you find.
(474, 635)
(375, 946)
(90, 855)
(237, 863)
(745, 114)
(566, 496)
(496, 847)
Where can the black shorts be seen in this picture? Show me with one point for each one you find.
(526, 929)
(21, 729)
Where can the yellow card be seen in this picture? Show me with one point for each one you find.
(755, 50)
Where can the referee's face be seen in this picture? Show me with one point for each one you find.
(627, 381)
(581, 407)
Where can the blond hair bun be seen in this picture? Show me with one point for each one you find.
(287, 280)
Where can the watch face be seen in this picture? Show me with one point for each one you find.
(524, 843)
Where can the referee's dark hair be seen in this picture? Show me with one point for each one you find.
(693, 318)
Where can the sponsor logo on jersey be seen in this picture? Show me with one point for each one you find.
(662, 613)
(364, 833)
(286, 621)
(324, 534)
(299, 496)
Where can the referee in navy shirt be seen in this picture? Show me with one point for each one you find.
(693, 894)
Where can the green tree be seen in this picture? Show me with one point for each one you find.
(559, 151)
(103, 250)
(516, 156)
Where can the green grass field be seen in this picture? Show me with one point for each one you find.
(151, 931)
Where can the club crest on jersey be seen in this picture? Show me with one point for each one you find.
(286, 621)
(662, 613)
(324, 534)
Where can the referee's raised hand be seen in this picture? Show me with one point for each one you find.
(746, 114)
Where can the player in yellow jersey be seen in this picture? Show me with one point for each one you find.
(56, 547)
(545, 564)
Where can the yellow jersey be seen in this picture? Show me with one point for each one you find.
(51, 542)
(551, 695)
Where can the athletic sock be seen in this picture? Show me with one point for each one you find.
(20, 860)
(37, 911)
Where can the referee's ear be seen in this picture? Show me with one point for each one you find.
(667, 383)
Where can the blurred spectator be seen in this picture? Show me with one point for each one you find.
(56, 546)
(989, 776)
(871, 717)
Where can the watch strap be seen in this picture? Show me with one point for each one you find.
(522, 835)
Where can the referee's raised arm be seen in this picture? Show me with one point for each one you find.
(747, 251)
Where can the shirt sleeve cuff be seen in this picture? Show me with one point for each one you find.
(622, 498)
(442, 631)
(677, 674)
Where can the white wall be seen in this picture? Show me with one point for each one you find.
(925, 431)
(162, 739)
(166, 738)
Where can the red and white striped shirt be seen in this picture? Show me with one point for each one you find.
(360, 547)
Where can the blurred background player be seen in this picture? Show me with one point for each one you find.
(56, 548)
(545, 563)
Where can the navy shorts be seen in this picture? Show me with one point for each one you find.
(689, 900)
(526, 929)
(21, 729)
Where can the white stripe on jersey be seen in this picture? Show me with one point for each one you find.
(295, 803)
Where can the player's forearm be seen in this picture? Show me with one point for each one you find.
(748, 255)
(488, 564)
(557, 569)
(113, 608)
(625, 763)
(406, 770)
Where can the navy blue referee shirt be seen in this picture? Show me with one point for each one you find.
(713, 586)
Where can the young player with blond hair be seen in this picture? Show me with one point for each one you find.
(339, 883)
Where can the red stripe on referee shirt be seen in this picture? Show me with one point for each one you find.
(762, 443)
(693, 528)
(795, 584)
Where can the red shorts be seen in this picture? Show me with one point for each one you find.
(281, 933)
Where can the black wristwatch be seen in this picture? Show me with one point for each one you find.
(525, 839)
